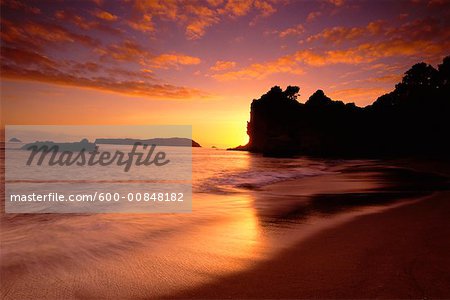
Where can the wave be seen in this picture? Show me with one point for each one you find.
(253, 180)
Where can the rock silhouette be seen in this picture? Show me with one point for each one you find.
(83, 145)
(413, 119)
(156, 141)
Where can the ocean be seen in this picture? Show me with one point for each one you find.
(245, 209)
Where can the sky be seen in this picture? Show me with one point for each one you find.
(201, 63)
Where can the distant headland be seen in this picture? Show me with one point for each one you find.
(14, 140)
(413, 119)
(177, 142)
(83, 145)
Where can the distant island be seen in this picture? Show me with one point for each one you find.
(84, 144)
(178, 142)
(14, 140)
(413, 119)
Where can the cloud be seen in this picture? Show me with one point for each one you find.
(296, 30)
(206, 17)
(193, 15)
(19, 5)
(29, 47)
(222, 65)
(262, 70)
(104, 15)
(265, 8)
(26, 57)
(39, 35)
(172, 60)
(144, 25)
(363, 53)
(437, 3)
(426, 28)
(371, 51)
(197, 16)
(31, 66)
(126, 50)
(137, 88)
(341, 34)
(391, 78)
(130, 51)
(313, 15)
(238, 7)
(83, 23)
(337, 3)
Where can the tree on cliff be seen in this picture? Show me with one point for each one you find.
(444, 72)
(292, 92)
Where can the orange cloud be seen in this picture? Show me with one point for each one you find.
(173, 60)
(196, 27)
(296, 30)
(85, 24)
(26, 57)
(341, 34)
(283, 64)
(27, 65)
(130, 51)
(264, 7)
(313, 15)
(427, 28)
(19, 5)
(364, 53)
(222, 65)
(127, 50)
(38, 35)
(238, 7)
(372, 51)
(104, 15)
(337, 2)
(144, 25)
(196, 16)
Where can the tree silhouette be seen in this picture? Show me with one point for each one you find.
(444, 72)
(292, 92)
(420, 75)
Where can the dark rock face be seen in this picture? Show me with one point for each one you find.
(414, 119)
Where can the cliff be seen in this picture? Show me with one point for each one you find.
(414, 119)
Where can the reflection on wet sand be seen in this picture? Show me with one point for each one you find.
(126, 255)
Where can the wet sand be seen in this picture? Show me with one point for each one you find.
(399, 252)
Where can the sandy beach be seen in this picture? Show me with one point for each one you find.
(399, 253)
(393, 245)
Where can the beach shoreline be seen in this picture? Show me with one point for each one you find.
(400, 252)
(392, 245)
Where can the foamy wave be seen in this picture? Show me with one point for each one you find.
(255, 179)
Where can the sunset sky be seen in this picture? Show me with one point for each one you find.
(201, 63)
